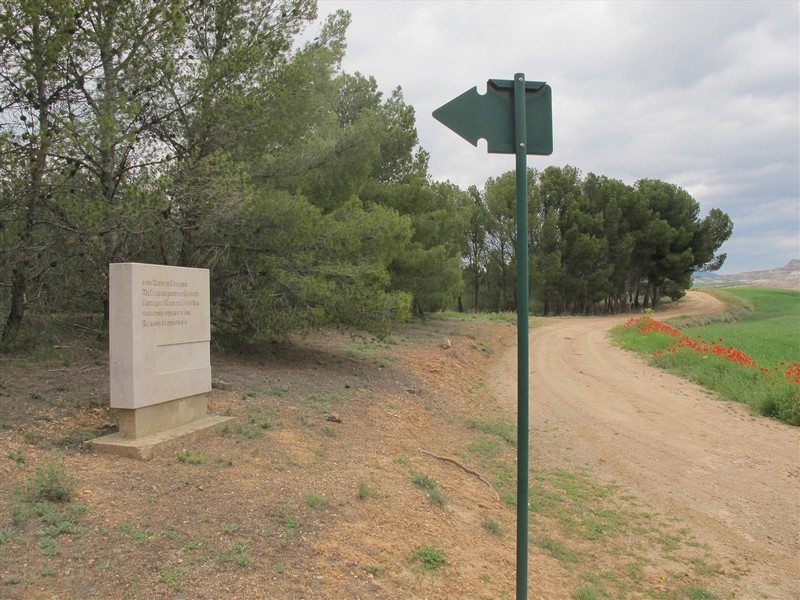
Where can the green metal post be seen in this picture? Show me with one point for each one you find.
(521, 143)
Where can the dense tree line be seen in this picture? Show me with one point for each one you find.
(195, 133)
(199, 133)
(595, 244)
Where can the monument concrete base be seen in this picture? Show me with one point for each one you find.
(160, 428)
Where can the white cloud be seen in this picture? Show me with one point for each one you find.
(705, 95)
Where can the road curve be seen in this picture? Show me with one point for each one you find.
(733, 476)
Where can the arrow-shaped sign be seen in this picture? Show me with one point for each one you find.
(514, 117)
(491, 116)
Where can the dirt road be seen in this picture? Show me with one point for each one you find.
(732, 477)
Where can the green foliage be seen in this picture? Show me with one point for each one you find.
(585, 593)
(305, 269)
(17, 456)
(238, 553)
(315, 500)
(500, 427)
(556, 548)
(762, 366)
(190, 457)
(701, 593)
(428, 483)
(502, 317)
(217, 144)
(50, 483)
(492, 527)
(365, 491)
(769, 334)
(429, 558)
(6, 534)
(136, 534)
(595, 244)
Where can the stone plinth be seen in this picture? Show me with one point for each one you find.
(159, 351)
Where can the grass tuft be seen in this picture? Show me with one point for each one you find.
(315, 500)
(50, 483)
(192, 458)
(501, 428)
(429, 558)
(429, 484)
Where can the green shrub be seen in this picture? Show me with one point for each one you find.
(50, 483)
(429, 558)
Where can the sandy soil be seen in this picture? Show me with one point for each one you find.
(290, 505)
(734, 477)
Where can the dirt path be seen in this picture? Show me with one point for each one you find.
(733, 478)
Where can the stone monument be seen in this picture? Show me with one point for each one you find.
(159, 354)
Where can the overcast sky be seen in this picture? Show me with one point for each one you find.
(705, 95)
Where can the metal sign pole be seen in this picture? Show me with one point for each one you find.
(521, 143)
(514, 117)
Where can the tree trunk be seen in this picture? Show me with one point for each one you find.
(655, 296)
(475, 291)
(19, 285)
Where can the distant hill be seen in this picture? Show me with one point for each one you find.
(787, 277)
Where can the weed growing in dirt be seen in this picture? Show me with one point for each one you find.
(230, 528)
(261, 416)
(239, 553)
(289, 523)
(373, 350)
(50, 483)
(701, 593)
(585, 593)
(172, 578)
(323, 401)
(556, 548)
(315, 500)
(501, 427)
(47, 496)
(502, 317)
(75, 438)
(374, 570)
(17, 456)
(429, 558)
(364, 491)
(598, 581)
(321, 452)
(428, 483)
(6, 534)
(487, 448)
(492, 527)
(585, 520)
(279, 391)
(137, 535)
(48, 546)
(189, 457)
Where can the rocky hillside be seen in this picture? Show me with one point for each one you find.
(787, 277)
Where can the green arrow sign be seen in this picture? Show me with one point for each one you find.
(514, 117)
(491, 116)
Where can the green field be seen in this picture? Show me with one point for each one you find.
(754, 360)
(770, 335)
